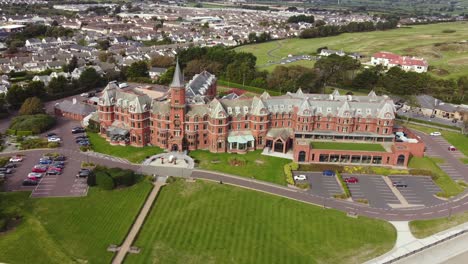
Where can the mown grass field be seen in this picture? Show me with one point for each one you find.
(448, 186)
(449, 59)
(69, 230)
(348, 146)
(206, 222)
(132, 154)
(255, 165)
(425, 228)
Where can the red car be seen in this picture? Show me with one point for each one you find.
(39, 168)
(55, 168)
(351, 180)
(34, 178)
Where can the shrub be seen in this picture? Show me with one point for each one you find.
(171, 179)
(122, 177)
(91, 180)
(288, 168)
(347, 193)
(33, 143)
(340, 196)
(84, 148)
(53, 145)
(448, 31)
(104, 181)
(24, 133)
(34, 123)
(4, 161)
(320, 167)
(303, 186)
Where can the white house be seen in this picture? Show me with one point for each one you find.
(389, 60)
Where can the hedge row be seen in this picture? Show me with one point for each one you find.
(403, 118)
(252, 89)
(347, 193)
(288, 168)
(320, 167)
(109, 178)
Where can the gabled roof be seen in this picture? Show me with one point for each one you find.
(257, 106)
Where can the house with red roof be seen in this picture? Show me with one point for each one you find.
(406, 63)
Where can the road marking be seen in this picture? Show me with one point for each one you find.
(443, 210)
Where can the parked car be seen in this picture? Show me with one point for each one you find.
(351, 180)
(39, 168)
(55, 168)
(454, 120)
(45, 161)
(300, 177)
(60, 158)
(81, 140)
(30, 182)
(16, 159)
(51, 134)
(36, 175)
(399, 184)
(78, 130)
(436, 133)
(84, 143)
(53, 172)
(84, 136)
(11, 165)
(452, 148)
(83, 173)
(6, 170)
(58, 163)
(328, 173)
(45, 158)
(54, 139)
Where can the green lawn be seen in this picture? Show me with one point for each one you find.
(348, 146)
(255, 165)
(458, 140)
(425, 228)
(446, 184)
(205, 222)
(70, 230)
(132, 154)
(420, 41)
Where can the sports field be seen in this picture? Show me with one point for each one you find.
(205, 222)
(446, 52)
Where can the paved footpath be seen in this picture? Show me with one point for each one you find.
(138, 224)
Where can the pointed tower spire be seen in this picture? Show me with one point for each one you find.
(178, 79)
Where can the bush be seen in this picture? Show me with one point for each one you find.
(171, 179)
(91, 180)
(53, 145)
(303, 186)
(4, 161)
(34, 123)
(104, 181)
(34, 143)
(320, 167)
(288, 168)
(347, 193)
(24, 133)
(122, 177)
(84, 148)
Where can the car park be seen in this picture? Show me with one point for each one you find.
(30, 182)
(399, 184)
(328, 173)
(301, 177)
(351, 180)
(436, 133)
(78, 130)
(35, 175)
(16, 159)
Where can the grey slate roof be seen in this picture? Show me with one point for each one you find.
(178, 79)
(199, 84)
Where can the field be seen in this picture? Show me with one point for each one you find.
(348, 146)
(251, 165)
(69, 230)
(425, 228)
(132, 154)
(206, 222)
(449, 59)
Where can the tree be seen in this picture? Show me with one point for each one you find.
(32, 106)
(166, 78)
(89, 79)
(103, 56)
(103, 44)
(334, 69)
(162, 61)
(72, 65)
(57, 85)
(138, 69)
(15, 96)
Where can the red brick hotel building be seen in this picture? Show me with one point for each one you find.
(189, 117)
